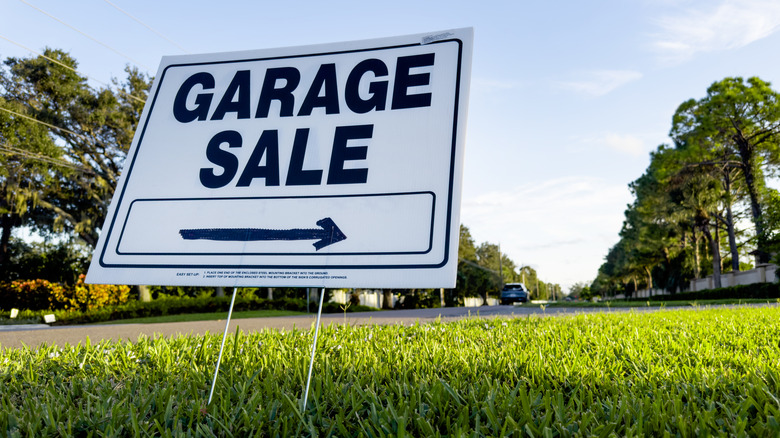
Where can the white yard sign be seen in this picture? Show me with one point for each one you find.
(336, 166)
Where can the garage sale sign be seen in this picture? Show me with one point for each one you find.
(334, 165)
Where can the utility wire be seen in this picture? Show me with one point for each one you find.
(469, 262)
(85, 170)
(10, 150)
(70, 68)
(88, 36)
(147, 26)
(7, 150)
(44, 123)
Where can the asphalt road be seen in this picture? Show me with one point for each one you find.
(39, 334)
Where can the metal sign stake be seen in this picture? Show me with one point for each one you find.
(313, 348)
(222, 348)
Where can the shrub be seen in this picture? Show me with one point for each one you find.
(36, 294)
(40, 294)
(84, 296)
(181, 291)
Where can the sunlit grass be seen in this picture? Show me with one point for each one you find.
(650, 303)
(205, 317)
(677, 372)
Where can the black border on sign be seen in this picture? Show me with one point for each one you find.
(320, 254)
(453, 150)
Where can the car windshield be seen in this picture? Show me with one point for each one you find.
(513, 287)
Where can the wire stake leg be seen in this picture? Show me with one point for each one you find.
(222, 348)
(313, 348)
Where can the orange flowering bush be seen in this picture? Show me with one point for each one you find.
(30, 294)
(44, 295)
(91, 296)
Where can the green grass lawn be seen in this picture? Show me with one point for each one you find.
(650, 303)
(205, 316)
(710, 372)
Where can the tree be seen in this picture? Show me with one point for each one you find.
(467, 249)
(743, 117)
(473, 279)
(59, 262)
(701, 151)
(529, 278)
(675, 202)
(28, 158)
(697, 196)
(480, 269)
(772, 212)
(92, 128)
(643, 239)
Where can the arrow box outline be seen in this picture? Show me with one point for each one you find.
(320, 254)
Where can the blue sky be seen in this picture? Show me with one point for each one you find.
(567, 97)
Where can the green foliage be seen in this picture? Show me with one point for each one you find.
(676, 373)
(58, 262)
(580, 290)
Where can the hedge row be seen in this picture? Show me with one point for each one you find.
(176, 306)
(756, 290)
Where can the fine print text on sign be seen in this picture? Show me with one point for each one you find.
(335, 165)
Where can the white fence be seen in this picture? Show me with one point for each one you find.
(370, 298)
(647, 293)
(373, 298)
(477, 301)
(762, 274)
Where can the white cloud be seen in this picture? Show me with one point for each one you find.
(562, 227)
(713, 27)
(625, 144)
(600, 82)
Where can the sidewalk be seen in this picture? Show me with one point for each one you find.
(17, 327)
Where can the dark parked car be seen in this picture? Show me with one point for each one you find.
(514, 293)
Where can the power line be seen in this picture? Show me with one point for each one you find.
(88, 36)
(71, 68)
(10, 150)
(147, 26)
(44, 123)
(469, 262)
(53, 127)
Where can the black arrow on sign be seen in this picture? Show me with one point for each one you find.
(327, 234)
